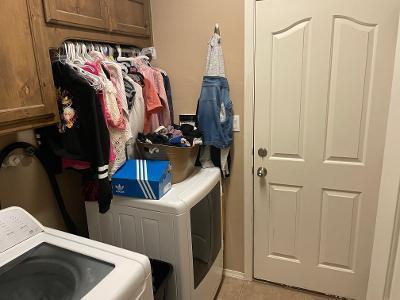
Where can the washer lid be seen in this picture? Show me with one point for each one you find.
(50, 272)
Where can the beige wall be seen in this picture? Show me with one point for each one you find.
(181, 30)
(27, 186)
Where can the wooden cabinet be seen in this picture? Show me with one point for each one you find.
(30, 28)
(130, 16)
(80, 13)
(26, 95)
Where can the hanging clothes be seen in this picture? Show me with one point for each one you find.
(104, 105)
(136, 115)
(120, 134)
(214, 110)
(215, 65)
(164, 115)
(214, 94)
(82, 133)
(168, 91)
(129, 91)
(153, 107)
(155, 79)
(96, 70)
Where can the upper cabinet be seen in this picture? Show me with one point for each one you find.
(27, 97)
(130, 17)
(79, 13)
(30, 28)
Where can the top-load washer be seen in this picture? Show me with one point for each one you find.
(37, 262)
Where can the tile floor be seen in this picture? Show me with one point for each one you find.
(236, 289)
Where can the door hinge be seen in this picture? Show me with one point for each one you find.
(252, 170)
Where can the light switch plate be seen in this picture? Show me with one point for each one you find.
(236, 123)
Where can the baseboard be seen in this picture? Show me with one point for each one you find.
(234, 274)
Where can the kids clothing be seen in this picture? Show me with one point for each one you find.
(82, 133)
(215, 110)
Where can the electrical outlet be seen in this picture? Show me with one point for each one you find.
(236, 123)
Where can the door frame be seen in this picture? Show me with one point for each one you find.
(248, 120)
(385, 254)
(387, 228)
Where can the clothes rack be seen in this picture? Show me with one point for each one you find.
(107, 95)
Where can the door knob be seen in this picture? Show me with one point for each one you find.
(262, 172)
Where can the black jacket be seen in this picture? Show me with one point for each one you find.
(82, 133)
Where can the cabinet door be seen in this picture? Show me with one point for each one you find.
(130, 17)
(79, 13)
(26, 95)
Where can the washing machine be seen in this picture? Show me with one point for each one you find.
(37, 262)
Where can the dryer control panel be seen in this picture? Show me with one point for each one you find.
(16, 225)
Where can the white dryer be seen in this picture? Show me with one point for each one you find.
(42, 263)
(183, 228)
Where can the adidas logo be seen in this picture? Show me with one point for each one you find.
(119, 188)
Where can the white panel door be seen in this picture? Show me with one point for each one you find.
(323, 77)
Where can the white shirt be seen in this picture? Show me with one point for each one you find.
(215, 58)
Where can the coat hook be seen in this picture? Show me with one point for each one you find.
(216, 29)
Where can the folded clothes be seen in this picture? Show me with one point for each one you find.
(154, 138)
(174, 132)
(189, 130)
(175, 135)
(161, 130)
(179, 141)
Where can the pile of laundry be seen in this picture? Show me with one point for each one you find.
(184, 135)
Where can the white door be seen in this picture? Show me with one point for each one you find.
(323, 78)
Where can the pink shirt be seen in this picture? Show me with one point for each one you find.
(156, 79)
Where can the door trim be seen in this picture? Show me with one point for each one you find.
(385, 253)
(248, 182)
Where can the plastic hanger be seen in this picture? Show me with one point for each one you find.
(141, 57)
(72, 59)
(66, 52)
(78, 59)
(85, 52)
(131, 60)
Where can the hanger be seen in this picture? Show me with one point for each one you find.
(66, 51)
(131, 60)
(216, 29)
(85, 52)
(141, 57)
(74, 60)
(110, 50)
(78, 59)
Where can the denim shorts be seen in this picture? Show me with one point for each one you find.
(214, 95)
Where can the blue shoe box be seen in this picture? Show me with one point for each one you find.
(148, 179)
